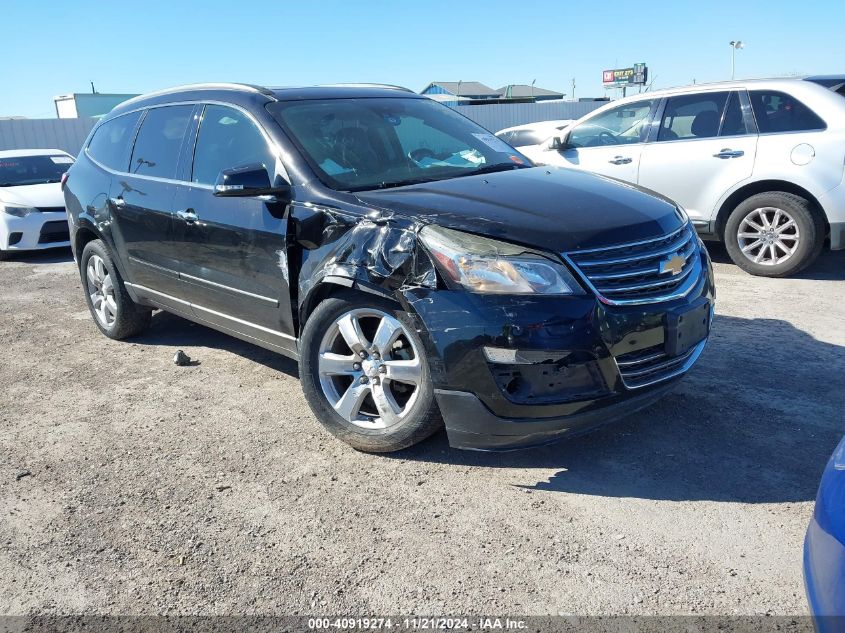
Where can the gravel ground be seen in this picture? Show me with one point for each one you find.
(130, 485)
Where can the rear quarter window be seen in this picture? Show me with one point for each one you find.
(779, 112)
(159, 142)
(112, 140)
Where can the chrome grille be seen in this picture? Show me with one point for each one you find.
(636, 272)
(646, 367)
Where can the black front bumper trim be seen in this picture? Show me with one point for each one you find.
(470, 425)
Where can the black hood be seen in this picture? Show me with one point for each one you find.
(554, 209)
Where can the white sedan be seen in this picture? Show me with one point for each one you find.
(531, 134)
(32, 207)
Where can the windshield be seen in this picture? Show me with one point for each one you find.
(32, 170)
(359, 144)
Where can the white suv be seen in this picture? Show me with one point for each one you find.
(32, 206)
(758, 164)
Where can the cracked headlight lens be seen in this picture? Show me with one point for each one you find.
(488, 266)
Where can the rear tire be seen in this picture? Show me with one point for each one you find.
(113, 310)
(774, 234)
(380, 402)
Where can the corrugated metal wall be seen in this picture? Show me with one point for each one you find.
(66, 134)
(497, 116)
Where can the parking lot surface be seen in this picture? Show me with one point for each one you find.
(131, 485)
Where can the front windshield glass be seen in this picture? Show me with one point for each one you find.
(373, 143)
(624, 124)
(32, 170)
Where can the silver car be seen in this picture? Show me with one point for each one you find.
(758, 164)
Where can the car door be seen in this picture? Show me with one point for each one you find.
(610, 142)
(141, 201)
(705, 146)
(232, 251)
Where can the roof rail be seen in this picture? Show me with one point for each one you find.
(368, 85)
(204, 86)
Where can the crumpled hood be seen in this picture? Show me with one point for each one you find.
(550, 208)
(45, 195)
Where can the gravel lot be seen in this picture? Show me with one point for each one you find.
(211, 489)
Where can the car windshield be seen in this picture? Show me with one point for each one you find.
(32, 170)
(374, 143)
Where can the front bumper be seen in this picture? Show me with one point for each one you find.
(36, 231)
(470, 425)
(824, 552)
(824, 577)
(576, 363)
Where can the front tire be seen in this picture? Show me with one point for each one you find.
(112, 308)
(365, 374)
(774, 234)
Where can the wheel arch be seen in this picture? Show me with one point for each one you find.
(83, 235)
(761, 186)
(87, 232)
(333, 286)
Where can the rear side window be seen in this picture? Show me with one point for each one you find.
(228, 138)
(111, 142)
(779, 112)
(159, 141)
(692, 116)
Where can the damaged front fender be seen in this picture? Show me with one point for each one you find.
(376, 252)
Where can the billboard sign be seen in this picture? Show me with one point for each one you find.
(635, 75)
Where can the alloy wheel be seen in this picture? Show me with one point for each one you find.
(370, 369)
(101, 291)
(768, 236)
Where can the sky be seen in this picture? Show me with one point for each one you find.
(57, 48)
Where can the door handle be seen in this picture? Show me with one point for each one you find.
(729, 153)
(118, 203)
(620, 160)
(188, 215)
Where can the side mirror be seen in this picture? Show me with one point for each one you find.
(558, 143)
(248, 180)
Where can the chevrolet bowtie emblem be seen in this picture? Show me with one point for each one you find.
(674, 265)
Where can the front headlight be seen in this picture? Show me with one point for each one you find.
(19, 212)
(488, 266)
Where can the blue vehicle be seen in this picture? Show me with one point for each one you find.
(824, 548)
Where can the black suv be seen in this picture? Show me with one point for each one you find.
(419, 268)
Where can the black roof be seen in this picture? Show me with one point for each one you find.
(341, 91)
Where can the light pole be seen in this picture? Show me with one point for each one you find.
(735, 45)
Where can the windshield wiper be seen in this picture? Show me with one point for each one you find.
(390, 185)
(495, 167)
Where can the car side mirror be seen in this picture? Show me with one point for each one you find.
(249, 180)
(559, 143)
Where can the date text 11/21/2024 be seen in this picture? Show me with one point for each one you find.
(417, 623)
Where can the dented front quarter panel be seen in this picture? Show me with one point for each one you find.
(363, 247)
